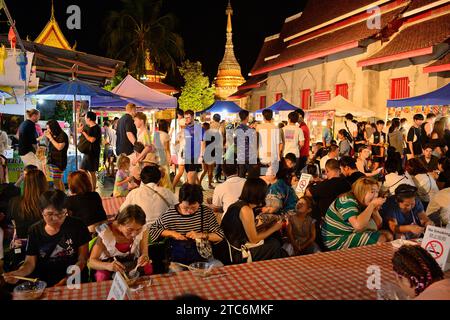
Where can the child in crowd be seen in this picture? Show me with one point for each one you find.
(123, 177)
(301, 229)
(135, 170)
(120, 243)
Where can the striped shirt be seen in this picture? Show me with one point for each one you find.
(337, 231)
(174, 221)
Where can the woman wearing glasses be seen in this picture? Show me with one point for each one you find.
(54, 244)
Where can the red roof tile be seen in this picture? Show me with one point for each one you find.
(416, 4)
(254, 82)
(323, 44)
(159, 86)
(418, 36)
(442, 64)
(317, 12)
(269, 49)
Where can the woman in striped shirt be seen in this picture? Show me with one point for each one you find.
(185, 223)
(353, 219)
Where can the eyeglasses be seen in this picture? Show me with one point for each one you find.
(54, 215)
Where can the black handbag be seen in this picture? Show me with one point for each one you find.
(84, 146)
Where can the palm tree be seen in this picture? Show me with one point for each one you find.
(138, 28)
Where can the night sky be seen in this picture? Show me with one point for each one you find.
(201, 23)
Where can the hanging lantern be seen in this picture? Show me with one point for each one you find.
(22, 61)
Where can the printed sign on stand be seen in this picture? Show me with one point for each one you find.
(303, 183)
(119, 288)
(437, 242)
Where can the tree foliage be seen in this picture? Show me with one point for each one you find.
(141, 26)
(197, 94)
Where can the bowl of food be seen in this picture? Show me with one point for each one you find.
(29, 290)
(201, 269)
(133, 277)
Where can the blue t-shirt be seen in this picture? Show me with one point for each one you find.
(193, 135)
(391, 210)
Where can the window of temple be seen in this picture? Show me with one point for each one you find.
(342, 89)
(278, 96)
(262, 102)
(305, 98)
(400, 88)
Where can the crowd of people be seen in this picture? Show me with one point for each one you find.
(370, 183)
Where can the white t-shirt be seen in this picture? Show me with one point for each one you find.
(393, 180)
(269, 141)
(150, 202)
(441, 203)
(352, 127)
(227, 193)
(426, 186)
(292, 136)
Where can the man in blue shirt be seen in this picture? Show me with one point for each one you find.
(194, 147)
(245, 142)
(403, 214)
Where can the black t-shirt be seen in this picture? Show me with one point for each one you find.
(87, 207)
(96, 133)
(27, 137)
(125, 124)
(56, 253)
(59, 157)
(415, 134)
(354, 176)
(324, 193)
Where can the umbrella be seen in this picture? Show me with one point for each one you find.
(72, 90)
(223, 106)
(280, 105)
(4, 94)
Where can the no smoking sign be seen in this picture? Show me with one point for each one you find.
(435, 248)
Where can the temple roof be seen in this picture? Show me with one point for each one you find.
(325, 44)
(443, 64)
(240, 94)
(413, 39)
(418, 4)
(52, 35)
(318, 13)
(254, 82)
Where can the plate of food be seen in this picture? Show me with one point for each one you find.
(29, 290)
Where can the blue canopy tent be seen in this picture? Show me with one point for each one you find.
(73, 90)
(223, 107)
(280, 105)
(439, 97)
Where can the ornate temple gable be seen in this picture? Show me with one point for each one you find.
(52, 35)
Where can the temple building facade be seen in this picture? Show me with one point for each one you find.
(229, 76)
(365, 50)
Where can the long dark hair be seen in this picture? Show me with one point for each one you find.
(254, 191)
(35, 184)
(54, 127)
(394, 125)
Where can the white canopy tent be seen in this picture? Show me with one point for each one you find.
(342, 106)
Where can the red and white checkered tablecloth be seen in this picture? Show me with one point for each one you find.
(338, 275)
(112, 205)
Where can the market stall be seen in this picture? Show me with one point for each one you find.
(335, 109)
(228, 110)
(437, 102)
(281, 109)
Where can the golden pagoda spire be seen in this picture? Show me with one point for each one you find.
(52, 35)
(229, 76)
(53, 12)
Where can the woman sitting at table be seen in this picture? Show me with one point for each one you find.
(419, 275)
(246, 243)
(403, 213)
(83, 202)
(353, 220)
(54, 244)
(120, 243)
(187, 224)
